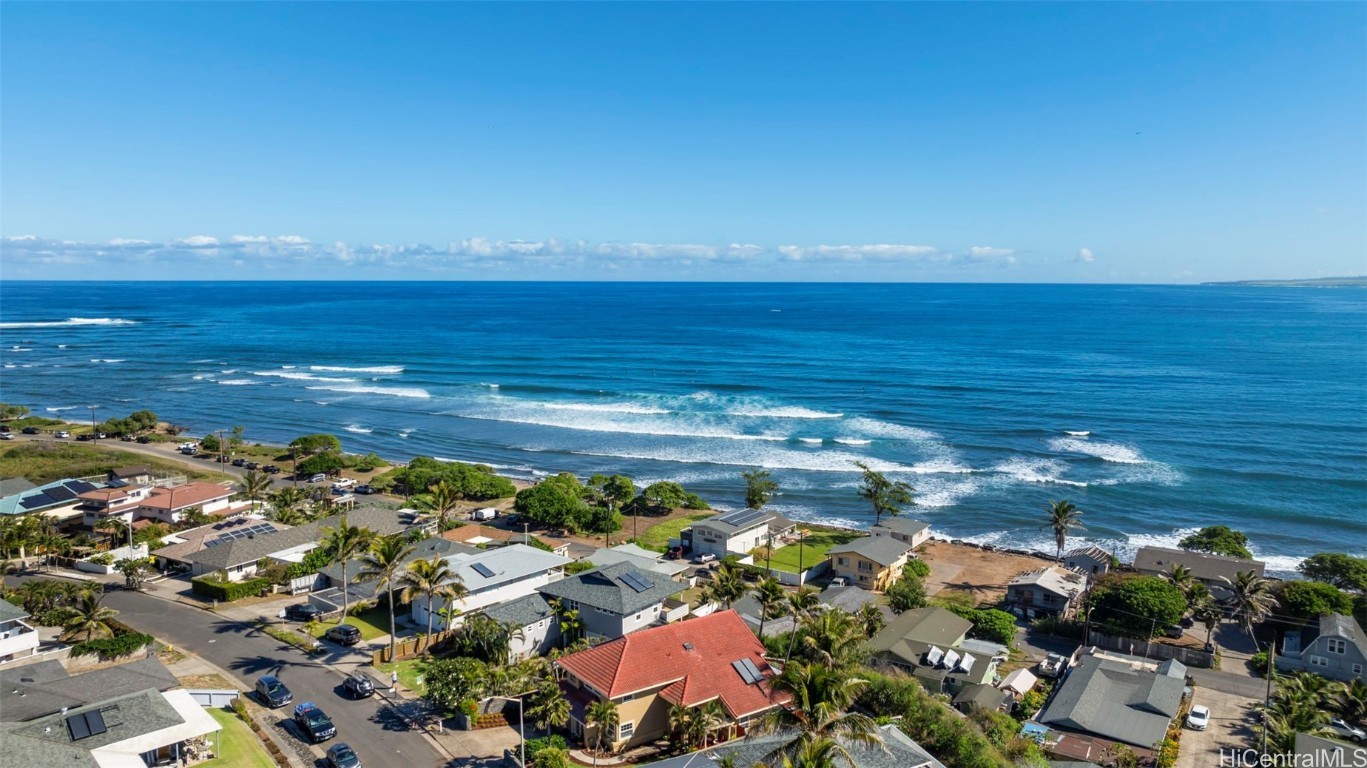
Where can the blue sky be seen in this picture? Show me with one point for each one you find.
(976, 142)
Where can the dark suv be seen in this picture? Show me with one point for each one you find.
(313, 723)
(272, 692)
(343, 634)
(29, 430)
(304, 612)
(358, 685)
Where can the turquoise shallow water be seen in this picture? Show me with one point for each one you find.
(1245, 406)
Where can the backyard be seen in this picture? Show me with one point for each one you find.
(238, 747)
(811, 551)
(657, 536)
(410, 673)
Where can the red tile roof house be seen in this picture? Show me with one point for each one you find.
(168, 505)
(103, 503)
(687, 664)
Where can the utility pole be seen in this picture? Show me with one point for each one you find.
(94, 431)
(1271, 673)
(525, 536)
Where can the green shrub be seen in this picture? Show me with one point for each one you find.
(579, 566)
(554, 741)
(104, 558)
(918, 567)
(229, 591)
(113, 647)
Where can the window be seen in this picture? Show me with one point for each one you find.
(865, 565)
(1318, 661)
(1337, 645)
(626, 730)
(843, 561)
(1357, 669)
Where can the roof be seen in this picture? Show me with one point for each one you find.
(1116, 700)
(617, 555)
(731, 523)
(36, 499)
(692, 660)
(1020, 681)
(1319, 750)
(524, 611)
(898, 751)
(383, 522)
(11, 612)
(910, 635)
(428, 548)
(184, 496)
(1092, 551)
(131, 471)
(1060, 581)
(45, 687)
(1204, 566)
(848, 598)
(491, 567)
(195, 539)
(904, 525)
(1346, 627)
(607, 589)
(13, 485)
(982, 695)
(883, 550)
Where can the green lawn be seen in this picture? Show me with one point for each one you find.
(657, 536)
(238, 747)
(812, 550)
(372, 623)
(410, 672)
(42, 462)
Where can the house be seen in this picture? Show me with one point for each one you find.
(535, 617)
(1019, 682)
(714, 658)
(1091, 560)
(1118, 698)
(871, 562)
(119, 502)
(428, 548)
(127, 716)
(1047, 591)
(913, 532)
(178, 546)
(1206, 568)
(615, 600)
(169, 505)
(897, 751)
(477, 535)
(17, 638)
(735, 533)
(492, 576)
(58, 500)
(1334, 647)
(933, 645)
(639, 557)
(138, 474)
(1312, 750)
(846, 599)
(981, 696)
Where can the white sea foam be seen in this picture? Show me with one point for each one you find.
(386, 369)
(1028, 470)
(941, 466)
(782, 412)
(811, 440)
(413, 392)
(761, 455)
(29, 349)
(1077, 434)
(237, 382)
(620, 427)
(229, 370)
(200, 377)
(357, 429)
(852, 441)
(62, 408)
(643, 410)
(69, 322)
(945, 492)
(300, 376)
(108, 360)
(864, 427)
(1120, 454)
(9, 365)
(61, 346)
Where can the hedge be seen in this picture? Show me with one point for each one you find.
(113, 647)
(229, 591)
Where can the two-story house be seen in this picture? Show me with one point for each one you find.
(913, 532)
(538, 626)
(493, 576)
(1334, 647)
(1047, 591)
(871, 562)
(17, 638)
(169, 505)
(1211, 570)
(735, 533)
(618, 599)
(118, 502)
(933, 645)
(688, 664)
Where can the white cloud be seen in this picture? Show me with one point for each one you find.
(988, 252)
(197, 241)
(1085, 256)
(882, 252)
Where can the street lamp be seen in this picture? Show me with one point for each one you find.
(521, 732)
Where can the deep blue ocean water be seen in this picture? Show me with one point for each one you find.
(1244, 406)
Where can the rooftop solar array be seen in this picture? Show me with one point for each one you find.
(258, 529)
(117, 484)
(636, 581)
(61, 493)
(79, 486)
(742, 518)
(483, 570)
(747, 671)
(37, 502)
(85, 725)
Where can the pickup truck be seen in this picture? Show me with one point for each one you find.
(1052, 666)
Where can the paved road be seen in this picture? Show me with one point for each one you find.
(374, 730)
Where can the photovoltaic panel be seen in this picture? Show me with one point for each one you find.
(742, 518)
(79, 486)
(637, 582)
(61, 493)
(36, 501)
(117, 484)
(747, 671)
(483, 570)
(95, 720)
(78, 727)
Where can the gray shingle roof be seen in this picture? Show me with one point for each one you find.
(13, 485)
(45, 687)
(908, 636)
(883, 550)
(32, 743)
(1114, 700)
(10, 612)
(982, 695)
(604, 589)
(1338, 625)
(524, 611)
(426, 549)
(898, 751)
(1204, 566)
(904, 525)
(382, 521)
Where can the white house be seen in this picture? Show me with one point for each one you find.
(904, 529)
(534, 616)
(17, 639)
(169, 505)
(119, 503)
(735, 532)
(493, 576)
(618, 599)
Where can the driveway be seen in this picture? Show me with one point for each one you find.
(1231, 727)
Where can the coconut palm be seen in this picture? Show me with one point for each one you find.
(1250, 598)
(727, 586)
(89, 618)
(382, 564)
(549, 706)
(817, 753)
(1208, 612)
(255, 486)
(430, 579)
(1182, 578)
(760, 487)
(343, 543)
(1063, 517)
(603, 716)
(117, 529)
(440, 500)
(772, 597)
(1352, 701)
(703, 721)
(804, 600)
(289, 506)
(831, 637)
(870, 620)
(887, 496)
(818, 711)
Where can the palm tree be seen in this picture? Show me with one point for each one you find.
(441, 499)
(760, 487)
(703, 720)
(772, 597)
(1182, 578)
(831, 637)
(383, 564)
(570, 623)
(1208, 612)
(288, 504)
(818, 711)
(255, 486)
(727, 586)
(870, 620)
(817, 753)
(1352, 701)
(1063, 517)
(343, 543)
(430, 579)
(115, 527)
(549, 707)
(1250, 598)
(603, 716)
(89, 619)
(887, 496)
(804, 600)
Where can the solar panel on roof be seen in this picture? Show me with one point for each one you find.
(636, 581)
(742, 518)
(117, 484)
(37, 500)
(483, 570)
(61, 493)
(212, 543)
(85, 725)
(747, 671)
(79, 486)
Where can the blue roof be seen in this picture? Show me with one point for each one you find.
(54, 494)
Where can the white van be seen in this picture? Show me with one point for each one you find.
(485, 513)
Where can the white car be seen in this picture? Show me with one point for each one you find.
(705, 558)
(1345, 731)
(1198, 718)
(63, 433)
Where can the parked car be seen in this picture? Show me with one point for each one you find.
(62, 433)
(272, 692)
(144, 439)
(343, 634)
(484, 513)
(840, 581)
(304, 612)
(343, 756)
(271, 469)
(4, 427)
(1343, 730)
(239, 462)
(6, 435)
(126, 438)
(318, 478)
(84, 437)
(1052, 666)
(358, 685)
(1198, 718)
(1187, 622)
(313, 722)
(1173, 631)
(29, 430)
(253, 465)
(364, 490)
(706, 557)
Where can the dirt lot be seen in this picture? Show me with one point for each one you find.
(974, 571)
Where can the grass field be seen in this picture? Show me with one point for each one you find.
(372, 623)
(410, 674)
(657, 536)
(42, 462)
(812, 550)
(238, 747)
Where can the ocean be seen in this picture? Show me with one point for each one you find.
(1155, 409)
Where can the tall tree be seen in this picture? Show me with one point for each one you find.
(772, 597)
(255, 486)
(1063, 517)
(870, 620)
(760, 487)
(89, 618)
(727, 586)
(430, 579)
(612, 492)
(831, 637)
(341, 544)
(383, 564)
(887, 496)
(1250, 598)
(440, 500)
(1218, 540)
(819, 711)
(602, 715)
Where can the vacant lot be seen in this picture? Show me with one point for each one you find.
(975, 572)
(811, 551)
(42, 461)
(658, 535)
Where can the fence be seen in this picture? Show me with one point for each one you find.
(411, 648)
(1150, 650)
(213, 697)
